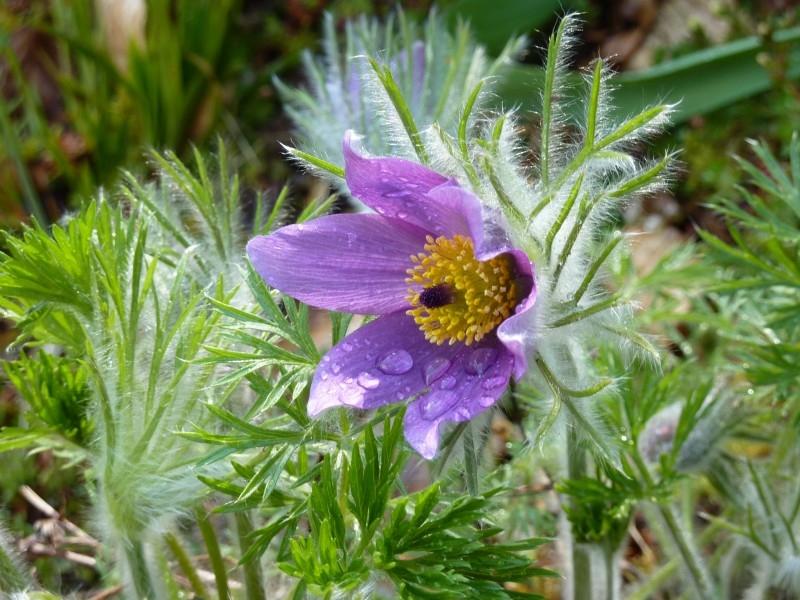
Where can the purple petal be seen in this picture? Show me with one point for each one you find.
(406, 190)
(350, 263)
(517, 333)
(385, 361)
(477, 377)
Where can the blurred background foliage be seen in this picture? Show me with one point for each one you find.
(87, 87)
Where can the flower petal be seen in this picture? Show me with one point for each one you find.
(350, 263)
(385, 361)
(477, 377)
(406, 190)
(518, 332)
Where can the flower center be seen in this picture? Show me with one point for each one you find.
(455, 297)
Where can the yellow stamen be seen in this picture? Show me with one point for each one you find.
(483, 293)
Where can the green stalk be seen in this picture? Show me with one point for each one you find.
(471, 462)
(690, 556)
(253, 584)
(185, 563)
(581, 558)
(650, 587)
(610, 557)
(137, 567)
(403, 111)
(214, 554)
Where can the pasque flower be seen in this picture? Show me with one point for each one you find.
(452, 296)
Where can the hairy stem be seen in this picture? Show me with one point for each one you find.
(139, 573)
(470, 462)
(185, 563)
(698, 573)
(581, 558)
(254, 586)
(214, 554)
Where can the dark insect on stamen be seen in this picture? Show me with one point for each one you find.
(436, 296)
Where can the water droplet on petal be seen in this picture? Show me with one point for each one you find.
(462, 414)
(436, 403)
(336, 368)
(347, 346)
(402, 215)
(493, 382)
(486, 401)
(448, 383)
(480, 360)
(348, 380)
(368, 381)
(399, 395)
(351, 399)
(324, 375)
(396, 362)
(435, 369)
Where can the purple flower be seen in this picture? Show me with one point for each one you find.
(453, 297)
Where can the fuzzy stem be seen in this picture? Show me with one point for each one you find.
(108, 417)
(137, 567)
(650, 587)
(185, 563)
(508, 206)
(690, 556)
(214, 554)
(319, 163)
(254, 586)
(584, 313)
(595, 266)
(581, 559)
(553, 48)
(403, 111)
(609, 559)
(12, 579)
(463, 145)
(562, 395)
(581, 572)
(471, 462)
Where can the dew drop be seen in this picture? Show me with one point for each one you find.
(348, 380)
(368, 381)
(324, 375)
(437, 403)
(480, 360)
(399, 395)
(351, 399)
(347, 346)
(493, 382)
(485, 401)
(396, 362)
(448, 383)
(435, 369)
(462, 414)
(402, 215)
(336, 368)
